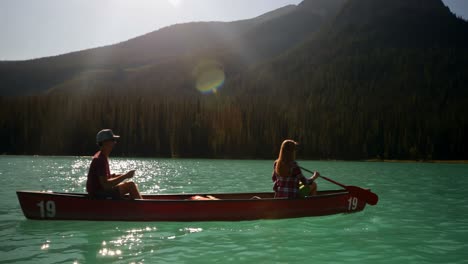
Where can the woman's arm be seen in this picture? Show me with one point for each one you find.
(303, 179)
(313, 178)
(297, 172)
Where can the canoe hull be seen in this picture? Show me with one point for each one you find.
(179, 207)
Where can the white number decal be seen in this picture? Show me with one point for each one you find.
(47, 209)
(352, 203)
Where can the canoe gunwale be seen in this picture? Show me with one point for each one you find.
(325, 194)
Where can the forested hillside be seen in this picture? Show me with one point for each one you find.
(356, 79)
(395, 73)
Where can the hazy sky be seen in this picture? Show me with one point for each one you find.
(39, 28)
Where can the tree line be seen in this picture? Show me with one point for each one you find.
(215, 126)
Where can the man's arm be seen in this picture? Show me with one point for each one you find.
(110, 183)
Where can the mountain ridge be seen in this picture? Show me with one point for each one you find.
(254, 40)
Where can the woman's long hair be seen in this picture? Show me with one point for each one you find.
(287, 154)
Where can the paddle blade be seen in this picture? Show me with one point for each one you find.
(363, 194)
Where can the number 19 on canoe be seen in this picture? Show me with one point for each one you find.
(352, 203)
(47, 209)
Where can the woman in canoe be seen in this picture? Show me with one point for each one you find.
(287, 173)
(101, 183)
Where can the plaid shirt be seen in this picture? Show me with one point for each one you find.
(289, 186)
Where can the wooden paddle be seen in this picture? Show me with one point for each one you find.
(363, 194)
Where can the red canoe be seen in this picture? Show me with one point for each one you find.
(180, 207)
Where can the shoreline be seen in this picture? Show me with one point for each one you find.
(419, 161)
(249, 158)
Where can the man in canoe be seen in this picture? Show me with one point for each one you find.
(101, 183)
(287, 174)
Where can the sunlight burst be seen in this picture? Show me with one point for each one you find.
(175, 3)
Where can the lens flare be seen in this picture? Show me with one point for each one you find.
(209, 76)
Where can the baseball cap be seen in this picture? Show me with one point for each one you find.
(105, 134)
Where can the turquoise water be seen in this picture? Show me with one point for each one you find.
(422, 216)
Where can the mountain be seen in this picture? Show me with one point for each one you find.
(393, 76)
(350, 79)
(176, 49)
(366, 26)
